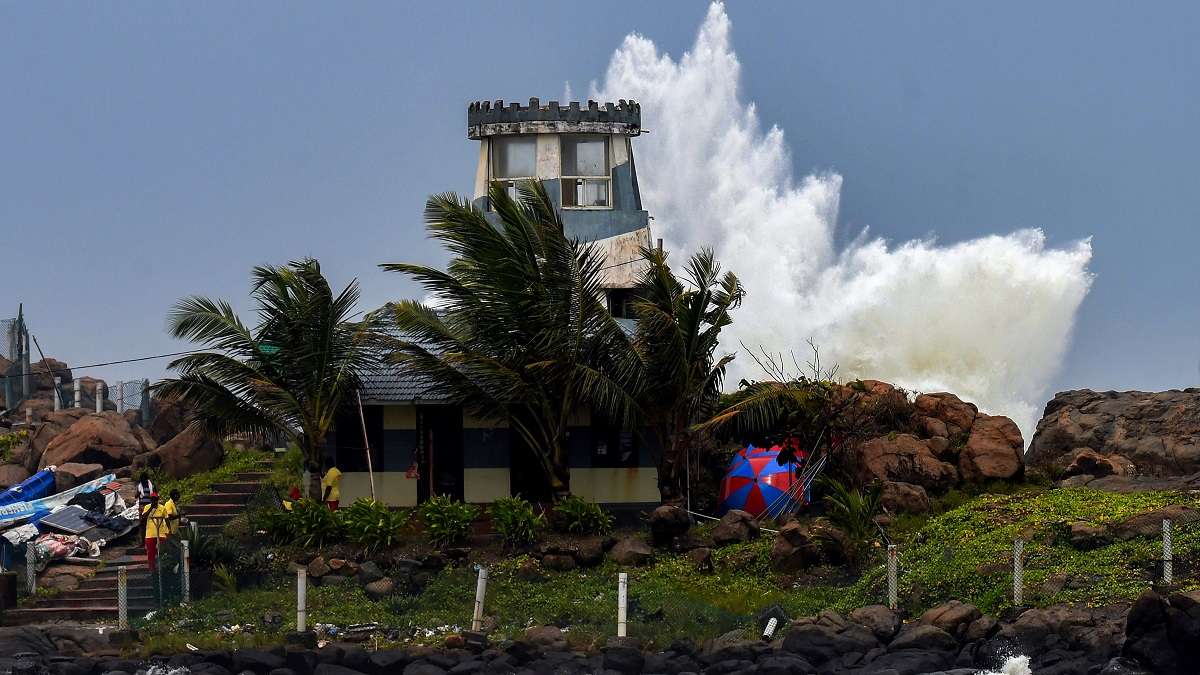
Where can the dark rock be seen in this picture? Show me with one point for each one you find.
(1086, 536)
(1150, 524)
(819, 643)
(702, 558)
(627, 660)
(546, 637)
(784, 664)
(387, 662)
(590, 552)
(668, 522)
(881, 621)
(256, 660)
(923, 637)
(282, 671)
(898, 497)
(557, 562)
(728, 666)
(795, 548)
(952, 617)
(735, 527)
(356, 658)
(188, 453)
(1121, 665)
(301, 661)
(334, 669)
(378, 589)
(369, 571)
(318, 568)
(530, 570)
(631, 551)
(911, 662)
(690, 540)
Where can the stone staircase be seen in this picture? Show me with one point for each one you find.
(95, 599)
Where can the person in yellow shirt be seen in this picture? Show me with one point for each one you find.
(154, 517)
(172, 512)
(330, 487)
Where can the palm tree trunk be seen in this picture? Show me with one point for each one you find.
(312, 458)
(560, 470)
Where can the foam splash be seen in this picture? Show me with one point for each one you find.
(989, 319)
(1014, 665)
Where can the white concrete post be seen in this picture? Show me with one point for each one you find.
(31, 567)
(301, 598)
(28, 416)
(186, 580)
(100, 397)
(58, 402)
(123, 597)
(195, 528)
(622, 603)
(892, 571)
(1167, 553)
(1018, 572)
(120, 396)
(480, 592)
(78, 387)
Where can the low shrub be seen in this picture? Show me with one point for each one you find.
(447, 521)
(576, 515)
(208, 551)
(308, 524)
(373, 525)
(514, 520)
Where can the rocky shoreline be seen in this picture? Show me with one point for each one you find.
(1156, 634)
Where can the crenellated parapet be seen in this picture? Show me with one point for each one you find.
(494, 118)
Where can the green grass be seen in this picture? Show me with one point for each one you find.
(964, 553)
(236, 461)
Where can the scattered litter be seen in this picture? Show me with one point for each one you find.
(191, 647)
(361, 628)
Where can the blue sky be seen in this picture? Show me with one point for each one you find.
(157, 150)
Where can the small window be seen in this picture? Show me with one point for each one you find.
(585, 171)
(514, 158)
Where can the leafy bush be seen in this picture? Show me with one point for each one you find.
(514, 520)
(373, 525)
(224, 580)
(9, 441)
(854, 511)
(447, 521)
(208, 551)
(308, 524)
(578, 516)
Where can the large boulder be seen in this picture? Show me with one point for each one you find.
(188, 453)
(900, 497)
(71, 474)
(1158, 433)
(1149, 524)
(878, 619)
(668, 522)
(52, 425)
(736, 526)
(97, 438)
(1088, 462)
(795, 548)
(994, 450)
(12, 474)
(904, 458)
(957, 415)
(169, 421)
(46, 370)
(631, 551)
(953, 617)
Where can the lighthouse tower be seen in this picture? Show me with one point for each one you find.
(583, 156)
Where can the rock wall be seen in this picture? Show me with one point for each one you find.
(1126, 433)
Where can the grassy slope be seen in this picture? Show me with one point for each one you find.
(964, 554)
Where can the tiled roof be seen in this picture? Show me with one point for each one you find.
(390, 384)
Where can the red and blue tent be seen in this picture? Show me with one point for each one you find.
(757, 483)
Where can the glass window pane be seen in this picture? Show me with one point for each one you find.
(595, 193)
(514, 156)
(585, 155)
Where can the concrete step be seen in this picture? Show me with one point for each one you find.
(254, 476)
(28, 615)
(214, 518)
(139, 581)
(141, 602)
(237, 487)
(107, 594)
(194, 510)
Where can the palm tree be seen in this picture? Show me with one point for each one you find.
(288, 374)
(678, 332)
(520, 333)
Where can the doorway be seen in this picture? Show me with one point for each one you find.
(440, 429)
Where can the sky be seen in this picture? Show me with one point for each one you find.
(157, 150)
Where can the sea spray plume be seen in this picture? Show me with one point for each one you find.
(988, 319)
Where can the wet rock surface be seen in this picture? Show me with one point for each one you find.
(1157, 634)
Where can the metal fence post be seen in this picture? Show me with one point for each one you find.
(123, 597)
(185, 581)
(1167, 553)
(58, 402)
(1018, 572)
(892, 570)
(622, 603)
(31, 567)
(480, 593)
(120, 399)
(78, 387)
(301, 598)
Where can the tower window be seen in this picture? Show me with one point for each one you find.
(514, 158)
(585, 171)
